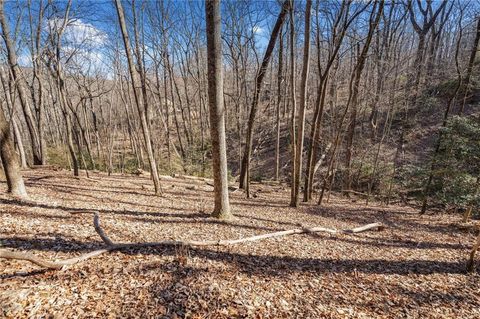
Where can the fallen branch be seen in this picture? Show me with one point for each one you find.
(99, 230)
(8, 254)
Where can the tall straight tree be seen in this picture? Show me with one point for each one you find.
(138, 94)
(21, 85)
(294, 104)
(279, 101)
(303, 101)
(217, 109)
(245, 167)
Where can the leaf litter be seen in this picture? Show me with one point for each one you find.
(415, 268)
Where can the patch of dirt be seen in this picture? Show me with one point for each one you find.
(413, 268)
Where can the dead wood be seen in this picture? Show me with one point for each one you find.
(8, 254)
(471, 259)
(100, 232)
(193, 178)
(231, 188)
(46, 166)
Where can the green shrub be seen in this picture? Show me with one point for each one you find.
(457, 164)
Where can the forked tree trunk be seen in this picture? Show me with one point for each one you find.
(217, 109)
(342, 23)
(16, 131)
(352, 96)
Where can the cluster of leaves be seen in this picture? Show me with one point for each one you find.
(457, 164)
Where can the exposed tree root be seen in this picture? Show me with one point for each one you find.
(110, 245)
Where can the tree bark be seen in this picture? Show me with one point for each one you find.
(279, 101)
(217, 109)
(9, 157)
(302, 106)
(293, 97)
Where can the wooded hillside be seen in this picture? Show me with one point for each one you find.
(274, 139)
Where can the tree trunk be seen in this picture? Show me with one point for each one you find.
(217, 109)
(374, 21)
(279, 101)
(10, 160)
(293, 138)
(445, 121)
(18, 139)
(302, 106)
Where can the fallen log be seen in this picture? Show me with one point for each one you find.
(110, 245)
(46, 166)
(231, 188)
(193, 178)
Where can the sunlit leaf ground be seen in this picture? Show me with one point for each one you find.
(412, 269)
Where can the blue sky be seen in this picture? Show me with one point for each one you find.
(94, 24)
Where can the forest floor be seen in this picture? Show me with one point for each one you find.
(415, 268)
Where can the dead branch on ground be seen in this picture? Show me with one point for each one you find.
(111, 246)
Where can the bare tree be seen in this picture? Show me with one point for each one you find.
(245, 168)
(340, 25)
(21, 87)
(217, 109)
(279, 102)
(302, 106)
(293, 98)
(140, 98)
